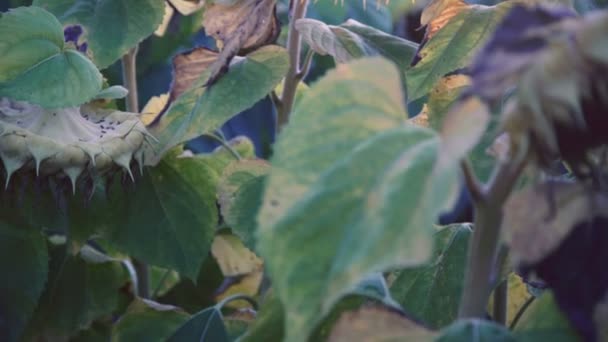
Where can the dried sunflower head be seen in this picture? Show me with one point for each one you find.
(557, 64)
(68, 144)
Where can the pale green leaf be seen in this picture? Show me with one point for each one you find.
(111, 27)
(201, 109)
(477, 330)
(36, 66)
(432, 292)
(352, 40)
(453, 46)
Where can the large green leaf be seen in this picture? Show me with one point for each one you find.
(453, 46)
(432, 292)
(331, 214)
(37, 67)
(171, 217)
(148, 321)
(202, 110)
(372, 211)
(24, 264)
(543, 321)
(111, 27)
(77, 293)
(352, 40)
(206, 325)
(350, 104)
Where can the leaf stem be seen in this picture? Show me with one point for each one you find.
(521, 312)
(225, 145)
(143, 278)
(238, 296)
(129, 79)
(481, 273)
(500, 302)
(294, 73)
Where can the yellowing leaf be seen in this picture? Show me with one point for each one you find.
(162, 28)
(153, 108)
(438, 13)
(248, 285)
(187, 7)
(517, 295)
(233, 257)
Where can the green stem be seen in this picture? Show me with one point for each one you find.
(481, 271)
(225, 145)
(294, 73)
(500, 302)
(239, 296)
(129, 79)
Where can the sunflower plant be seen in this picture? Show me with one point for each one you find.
(386, 120)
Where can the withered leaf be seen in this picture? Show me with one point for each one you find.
(187, 67)
(187, 7)
(375, 324)
(239, 29)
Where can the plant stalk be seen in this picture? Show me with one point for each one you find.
(294, 73)
(129, 80)
(500, 302)
(481, 272)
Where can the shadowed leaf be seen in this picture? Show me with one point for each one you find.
(206, 325)
(544, 321)
(111, 27)
(145, 320)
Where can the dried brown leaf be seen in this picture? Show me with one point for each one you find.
(187, 67)
(376, 324)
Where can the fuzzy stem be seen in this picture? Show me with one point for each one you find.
(294, 74)
(129, 79)
(481, 271)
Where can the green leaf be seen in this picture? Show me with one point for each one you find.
(240, 196)
(201, 109)
(148, 321)
(171, 217)
(384, 183)
(352, 40)
(111, 27)
(350, 104)
(77, 293)
(206, 325)
(475, 330)
(269, 324)
(24, 264)
(432, 292)
(36, 66)
(543, 321)
(453, 46)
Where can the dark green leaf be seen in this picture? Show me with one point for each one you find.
(111, 27)
(170, 218)
(36, 66)
(432, 292)
(206, 325)
(240, 196)
(148, 321)
(453, 46)
(24, 264)
(202, 110)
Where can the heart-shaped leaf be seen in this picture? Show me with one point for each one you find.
(37, 67)
(206, 325)
(111, 27)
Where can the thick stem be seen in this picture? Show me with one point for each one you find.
(481, 273)
(129, 79)
(294, 74)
